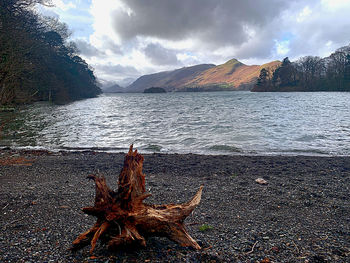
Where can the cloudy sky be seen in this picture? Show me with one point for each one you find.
(123, 39)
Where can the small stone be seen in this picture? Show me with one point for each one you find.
(261, 181)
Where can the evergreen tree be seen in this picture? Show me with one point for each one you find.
(262, 80)
(285, 74)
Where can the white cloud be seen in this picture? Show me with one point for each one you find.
(64, 6)
(323, 31)
(101, 11)
(335, 5)
(304, 14)
(282, 47)
(188, 58)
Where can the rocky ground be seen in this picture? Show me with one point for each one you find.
(301, 215)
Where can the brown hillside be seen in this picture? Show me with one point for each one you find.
(233, 74)
(168, 80)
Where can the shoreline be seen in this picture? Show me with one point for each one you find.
(149, 152)
(301, 215)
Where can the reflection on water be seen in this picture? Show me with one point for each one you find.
(209, 123)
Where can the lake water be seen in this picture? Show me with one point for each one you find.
(204, 123)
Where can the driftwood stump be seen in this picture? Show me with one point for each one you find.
(123, 218)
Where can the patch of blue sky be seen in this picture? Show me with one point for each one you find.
(75, 13)
(287, 36)
(79, 22)
(282, 43)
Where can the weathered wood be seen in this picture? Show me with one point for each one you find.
(123, 218)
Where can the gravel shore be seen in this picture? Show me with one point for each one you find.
(301, 215)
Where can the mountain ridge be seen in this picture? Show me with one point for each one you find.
(231, 75)
(168, 80)
(113, 89)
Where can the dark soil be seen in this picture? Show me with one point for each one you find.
(301, 215)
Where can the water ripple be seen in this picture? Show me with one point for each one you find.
(206, 123)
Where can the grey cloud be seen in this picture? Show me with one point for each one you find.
(218, 24)
(214, 22)
(112, 46)
(87, 49)
(260, 47)
(126, 71)
(160, 55)
(314, 34)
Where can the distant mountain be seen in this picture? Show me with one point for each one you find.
(113, 89)
(126, 81)
(232, 75)
(169, 80)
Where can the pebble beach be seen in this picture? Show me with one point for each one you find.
(301, 214)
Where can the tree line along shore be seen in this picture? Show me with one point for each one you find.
(308, 73)
(37, 60)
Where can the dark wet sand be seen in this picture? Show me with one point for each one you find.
(302, 215)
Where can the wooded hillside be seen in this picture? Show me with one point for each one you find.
(309, 74)
(37, 62)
